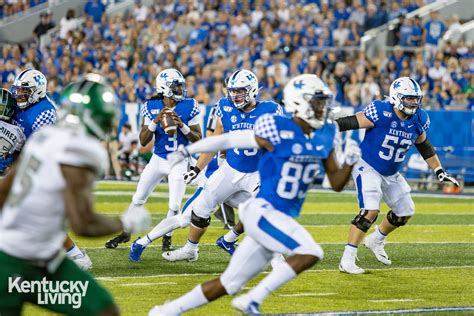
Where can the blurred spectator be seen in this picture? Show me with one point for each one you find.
(68, 23)
(140, 12)
(432, 33)
(45, 24)
(127, 151)
(95, 9)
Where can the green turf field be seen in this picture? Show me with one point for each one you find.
(433, 261)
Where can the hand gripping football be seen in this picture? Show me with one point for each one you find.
(168, 124)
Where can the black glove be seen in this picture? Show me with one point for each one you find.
(191, 174)
(445, 177)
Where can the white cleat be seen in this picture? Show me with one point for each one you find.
(377, 247)
(349, 266)
(83, 261)
(180, 254)
(245, 305)
(160, 310)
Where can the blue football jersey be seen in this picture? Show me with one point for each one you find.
(187, 109)
(37, 115)
(287, 172)
(385, 145)
(243, 160)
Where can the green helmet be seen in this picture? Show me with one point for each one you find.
(7, 105)
(93, 101)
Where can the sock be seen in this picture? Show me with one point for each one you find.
(165, 226)
(379, 235)
(188, 301)
(73, 251)
(192, 245)
(350, 250)
(231, 236)
(280, 275)
(170, 214)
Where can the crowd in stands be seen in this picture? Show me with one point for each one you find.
(11, 7)
(207, 40)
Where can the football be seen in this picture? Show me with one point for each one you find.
(168, 124)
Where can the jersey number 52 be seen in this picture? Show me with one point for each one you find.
(390, 142)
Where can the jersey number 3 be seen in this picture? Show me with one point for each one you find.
(389, 143)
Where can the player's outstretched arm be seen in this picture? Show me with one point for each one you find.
(339, 176)
(206, 157)
(79, 203)
(428, 153)
(357, 121)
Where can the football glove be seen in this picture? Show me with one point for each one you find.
(191, 174)
(352, 152)
(179, 155)
(443, 176)
(136, 219)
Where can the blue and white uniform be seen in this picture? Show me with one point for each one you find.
(383, 151)
(36, 116)
(237, 178)
(286, 175)
(158, 167)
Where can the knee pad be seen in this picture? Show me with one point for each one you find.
(397, 220)
(199, 222)
(361, 222)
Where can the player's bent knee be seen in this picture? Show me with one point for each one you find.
(314, 251)
(231, 286)
(199, 222)
(184, 220)
(397, 220)
(362, 222)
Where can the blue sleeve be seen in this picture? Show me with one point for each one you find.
(146, 111)
(371, 112)
(45, 118)
(218, 109)
(424, 120)
(266, 128)
(195, 110)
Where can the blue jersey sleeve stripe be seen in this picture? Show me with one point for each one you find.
(277, 234)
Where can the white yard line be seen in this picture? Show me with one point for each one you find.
(395, 300)
(146, 284)
(114, 278)
(398, 311)
(307, 294)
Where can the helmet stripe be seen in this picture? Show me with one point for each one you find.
(23, 73)
(235, 75)
(415, 85)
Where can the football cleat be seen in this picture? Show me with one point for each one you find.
(119, 239)
(166, 244)
(229, 247)
(136, 251)
(83, 261)
(377, 247)
(245, 305)
(348, 265)
(180, 254)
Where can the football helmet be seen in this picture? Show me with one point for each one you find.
(171, 83)
(92, 102)
(308, 97)
(406, 95)
(29, 87)
(242, 88)
(7, 105)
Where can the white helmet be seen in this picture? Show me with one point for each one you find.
(171, 83)
(308, 98)
(29, 87)
(402, 88)
(242, 86)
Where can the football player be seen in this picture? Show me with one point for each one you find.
(291, 149)
(34, 111)
(393, 127)
(170, 98)
(236, 178)
(12, 138)
(33, 211)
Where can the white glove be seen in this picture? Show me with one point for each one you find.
(191, 174)
(179, 155)
(136, 219)
(352, 152)
(443, 176)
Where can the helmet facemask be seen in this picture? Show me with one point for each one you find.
(317, 110)
(23, 95)
(239, 96)
(178, 90)
(7, 105)
(409, 104)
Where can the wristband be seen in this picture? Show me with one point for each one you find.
(439, 170)
(152, 126)
(185, 129)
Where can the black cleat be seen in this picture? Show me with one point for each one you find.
(166, 244)
(229, 219)
(120, 239)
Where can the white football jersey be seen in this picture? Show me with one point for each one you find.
(11, 139)
(32, 223)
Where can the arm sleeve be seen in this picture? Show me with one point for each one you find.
(265, 127)
(347, 123)
(47, 117)
(238, 139)
(194, 116)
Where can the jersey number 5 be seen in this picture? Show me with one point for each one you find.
(389, 143)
